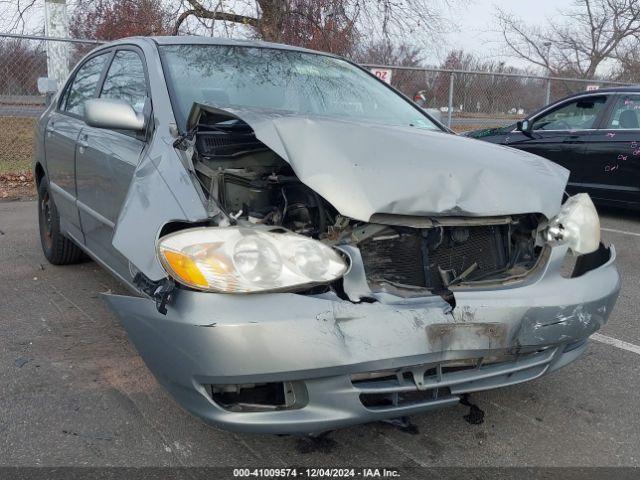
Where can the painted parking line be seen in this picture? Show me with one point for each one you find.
(623, 232)
(630, 347)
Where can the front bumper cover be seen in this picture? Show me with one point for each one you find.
(322, 340)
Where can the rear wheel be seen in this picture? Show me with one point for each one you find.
(57, 248)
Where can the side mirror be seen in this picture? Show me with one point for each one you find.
(112, 113)
(523, 126)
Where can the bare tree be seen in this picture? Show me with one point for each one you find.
(113, 19)
(270, 19)
(628, 68)
(14, 14)
(330, 25)
(200, 10)
(321, 25)
(579, 39)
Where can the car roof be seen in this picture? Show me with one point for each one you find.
(600, 91)
(200, 40)
(621, 89)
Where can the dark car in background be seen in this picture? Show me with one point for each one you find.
(596, 135)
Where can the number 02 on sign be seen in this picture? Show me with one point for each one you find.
(383, 74)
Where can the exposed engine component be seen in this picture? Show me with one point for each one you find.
(251, 183)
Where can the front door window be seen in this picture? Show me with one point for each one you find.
(579, 114)
(125, 80)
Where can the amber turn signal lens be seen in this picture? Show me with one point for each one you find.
(185, 269)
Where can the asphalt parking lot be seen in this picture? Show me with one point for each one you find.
(75, 392)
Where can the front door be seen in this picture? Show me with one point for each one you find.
(62, 133)
(106, 160)
(561, 134)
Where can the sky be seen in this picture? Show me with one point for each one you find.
(477, 26)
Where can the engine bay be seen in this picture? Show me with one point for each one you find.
(253, 185)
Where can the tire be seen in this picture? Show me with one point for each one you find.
(57, 248)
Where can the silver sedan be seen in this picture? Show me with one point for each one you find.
(306, 248)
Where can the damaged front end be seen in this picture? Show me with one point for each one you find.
(408, 255)
(440, 286)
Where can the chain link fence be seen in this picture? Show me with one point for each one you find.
(465, 100)
(469, 100)
(23, 59)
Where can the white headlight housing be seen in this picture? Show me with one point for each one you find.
(577, 225)
(247, 259)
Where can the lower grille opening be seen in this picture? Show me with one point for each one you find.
(402, 399)
(442, 381)
(259, 397)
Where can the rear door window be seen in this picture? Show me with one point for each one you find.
(625, 113)
(579, 114)
(85, 84)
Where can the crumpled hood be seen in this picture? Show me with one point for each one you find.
(366, 168)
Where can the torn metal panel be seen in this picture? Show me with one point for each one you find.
(565, 323)
(150, 204)
(552, 309)
(363, 169)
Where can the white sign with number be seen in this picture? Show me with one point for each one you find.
(592, 88)
(383, 74)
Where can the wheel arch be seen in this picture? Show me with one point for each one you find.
(38, 173)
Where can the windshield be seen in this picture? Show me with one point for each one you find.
(282, 80)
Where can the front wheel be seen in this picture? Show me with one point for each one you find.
(57, 248)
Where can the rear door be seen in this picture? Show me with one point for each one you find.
(62, 132)
(106, 159)
(562, 132)
(612, 160)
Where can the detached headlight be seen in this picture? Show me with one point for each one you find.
(244, 260)
(577, 225)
